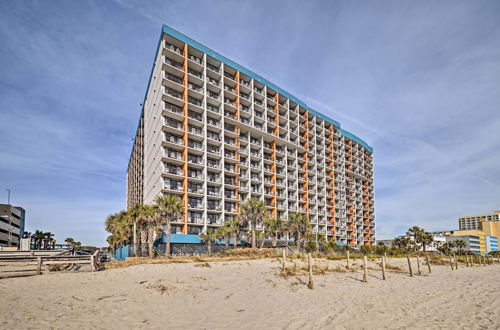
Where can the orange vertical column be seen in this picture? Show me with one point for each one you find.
(306, 163)
(277, 134)
(351, 203)
(273, 169)
(366, 212)
(237, 131)
(185, 141)
(331, 173)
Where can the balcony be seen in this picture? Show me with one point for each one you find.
(195, 73)
(193, 205)
(195, 130)
(213, 67)
(173, 139)
(195, 189)
(173, 93)
(174, 170)
(173, 48)
(175, 64)
(174, 78)
(214, 207)
(213, 164)
(245, 83)
(195, 101)
(172, 154)
(213, 108)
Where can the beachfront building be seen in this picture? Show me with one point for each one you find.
(473, 221)
(491, 244)
(11, 225)
(215, 134)
(472, 242)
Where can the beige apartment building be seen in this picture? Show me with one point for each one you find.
(473, 221)
(11, 225)
(214, 134)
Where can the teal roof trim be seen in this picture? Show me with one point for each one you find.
(355, 139)
(176, 34)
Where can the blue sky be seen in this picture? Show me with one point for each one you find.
(418, 80)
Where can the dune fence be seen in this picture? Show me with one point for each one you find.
(20, 263)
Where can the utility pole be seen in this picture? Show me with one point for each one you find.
(8, 196)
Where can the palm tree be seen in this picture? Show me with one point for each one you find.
(120, 225)
(253, 212)
(402, 243)
(71, 241)
(151, 222)
(446, 247)
(133, 213)
(224, 232)
(38, 237)
(142, 218)
(208, 237)
(416, 234)
(460, 244)
(299, 227)
(234, 228)
(426, 239)
(48, 237)
(169, 209)
(111, 239)
(273, 226)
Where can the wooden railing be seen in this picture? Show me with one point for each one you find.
(39, 259)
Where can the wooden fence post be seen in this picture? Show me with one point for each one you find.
(451, 263)
(39, 265)
(409, 265)
(284, 256)
(365, 271)
(92, 263)
(418, 266)
(309, 259)
(428, 263)
(467, 260)
(456, 261)
(383, 268)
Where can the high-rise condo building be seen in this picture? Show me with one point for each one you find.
(473, 221)
(215, 134)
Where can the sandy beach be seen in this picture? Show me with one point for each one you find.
(251, 294)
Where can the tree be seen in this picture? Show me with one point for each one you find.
(415, 233)
(273, 226)
(142, 225)
(235, 229)
(446, 247)
(170, 209)
(38, 238)
(426, 239)
(208, 237)
(133, 213)
(402, 243)
(253, 212)
(460, 244)
(48, 238)
(120, 226)
(298, 227)
(151, 222)
(225, 231)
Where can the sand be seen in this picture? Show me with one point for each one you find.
(251, 295)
